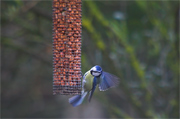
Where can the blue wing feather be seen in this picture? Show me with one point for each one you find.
(107, 81)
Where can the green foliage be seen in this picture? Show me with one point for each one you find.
(155, 45)
(141, 47)
(87, 24)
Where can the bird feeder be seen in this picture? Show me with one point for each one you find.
(67, 47)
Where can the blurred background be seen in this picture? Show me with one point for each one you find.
(136, 40)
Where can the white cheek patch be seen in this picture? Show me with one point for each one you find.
(96, 73)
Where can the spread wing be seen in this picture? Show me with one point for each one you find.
(107, 81)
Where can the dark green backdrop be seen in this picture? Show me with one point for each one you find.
(135, 40)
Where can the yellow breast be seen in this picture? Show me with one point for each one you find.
(89, 81)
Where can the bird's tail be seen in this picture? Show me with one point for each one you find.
(77, 99)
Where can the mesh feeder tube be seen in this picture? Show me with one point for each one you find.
(67, 27)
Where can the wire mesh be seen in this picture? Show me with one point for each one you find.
(67, 46)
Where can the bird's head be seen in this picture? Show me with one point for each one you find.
(96, 70)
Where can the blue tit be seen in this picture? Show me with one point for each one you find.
(95, 76)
